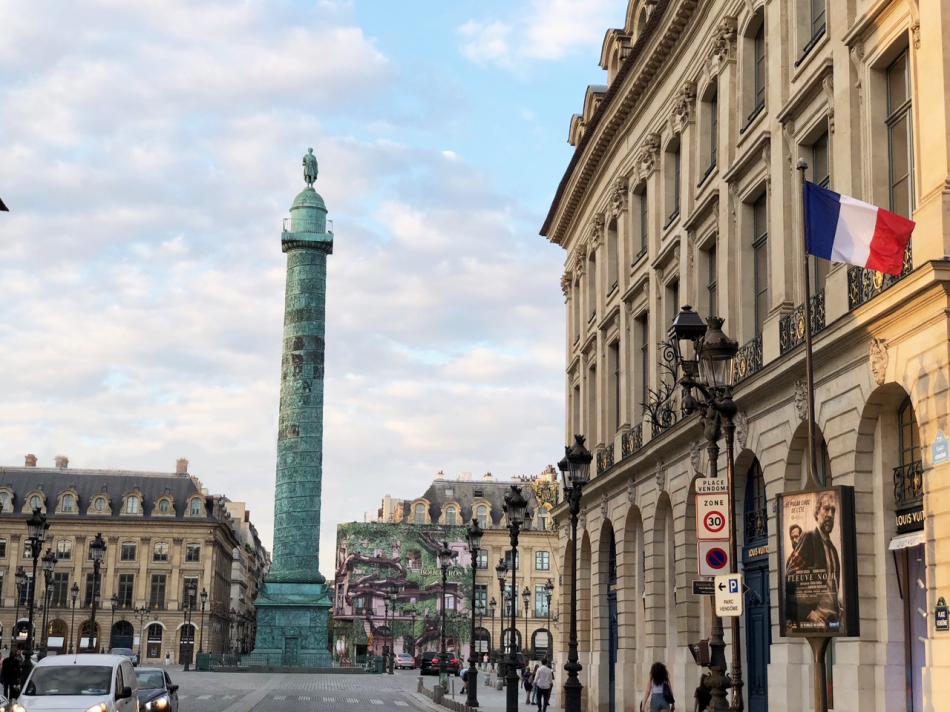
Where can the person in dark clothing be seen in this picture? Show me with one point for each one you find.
(25, 668)
(10, 675)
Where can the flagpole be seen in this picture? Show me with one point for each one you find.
(819, 644)
(809, 363)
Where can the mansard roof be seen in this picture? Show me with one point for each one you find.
(466, 493)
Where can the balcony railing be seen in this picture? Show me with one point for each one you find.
(791, 327)
(748, 360)
(864, 284)
(909, 484)
(605, 458)
(631, 441)
(756, 525)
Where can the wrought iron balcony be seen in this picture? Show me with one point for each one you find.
(631, 441)
(791, 327)
(748, 360)
(908, 484)
(605, 458)
(864, 284)
(756, 525)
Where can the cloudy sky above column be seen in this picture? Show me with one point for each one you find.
(150, 150)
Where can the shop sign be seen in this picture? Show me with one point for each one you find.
(909, 520)
(818, 578)
(942, 615)
(940, 450)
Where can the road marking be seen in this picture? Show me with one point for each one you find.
(204, 697)
(329, 700)
(228, 697)
(279, 698)
(376, 702)
(400, 703)
(304, 699)
(352, 701)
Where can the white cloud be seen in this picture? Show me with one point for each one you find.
(546, 30)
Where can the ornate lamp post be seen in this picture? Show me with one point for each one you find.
(501, 571)
(575, 473)
(548, 592)
(446, 555)
(73, 595)
(187, 629)
(115, 604)
(97, 549)
(390, 628)
(491, 607)
(20, 579)
(201, 630)
(703, 355)
(526, 598)
(36, 527)
(49, 563)
(232, 622)
(142, 612)
(471, 684)
(516, 507)
(411, 612)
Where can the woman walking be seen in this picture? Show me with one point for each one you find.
(527, 679)
(658, 695)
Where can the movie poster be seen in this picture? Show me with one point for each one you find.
(817, 564)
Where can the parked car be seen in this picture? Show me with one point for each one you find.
(157, 693)
(429, 663)
(404, 661)
(126, 653)
(106, 683)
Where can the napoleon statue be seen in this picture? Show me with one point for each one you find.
(310, 168)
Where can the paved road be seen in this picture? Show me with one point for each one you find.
(260, 692)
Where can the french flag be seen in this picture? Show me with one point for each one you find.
(843, 229)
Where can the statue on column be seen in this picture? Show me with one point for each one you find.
(310, 168)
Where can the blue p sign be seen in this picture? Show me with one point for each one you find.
(733, 586)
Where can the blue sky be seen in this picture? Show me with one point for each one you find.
(151, 150)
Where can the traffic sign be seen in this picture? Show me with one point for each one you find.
(711, 485)
(712, 516)
(729, 595)
(703, 587)
(712, 557)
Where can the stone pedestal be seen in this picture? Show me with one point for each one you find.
(292, 625)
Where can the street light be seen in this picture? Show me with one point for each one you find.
(114, 601)
(446, 555)
(142, 612)
(704, 355)
(471, 687)
(491, 607)
(49, 563)
(36, 527)
(20, 579)
(73, 595)
(516, 507)
(575, 473)
(501, 571)
(526, 597)
(548, 592)
(201, 631)
(411, 612)
(389, 622)
(98, 550)
(187, 631)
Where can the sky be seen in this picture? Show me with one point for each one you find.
(150, 152)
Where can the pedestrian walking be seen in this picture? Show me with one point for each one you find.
(168, 659)
(534, 687)
(9, 674)
(543, 684)
(526, 678)
(464, 676)
(658, 695)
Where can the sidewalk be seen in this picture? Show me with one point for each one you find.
(489, 698)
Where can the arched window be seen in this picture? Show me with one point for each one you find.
(154, 641)
(36, 502)
(672, 179)
(69, 503)
(755, 509)
(132, 505)
(195, 507)
(99, 504)
(164, 506)
(420, 516)
(6, 502)
(450, 516)
(482, 516)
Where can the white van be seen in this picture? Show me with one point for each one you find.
(80, 683)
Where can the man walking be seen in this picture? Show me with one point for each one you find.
(543, 682)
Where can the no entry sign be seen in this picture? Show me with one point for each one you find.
(712, 557)
(712, 516)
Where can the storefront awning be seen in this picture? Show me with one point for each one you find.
(904, 541)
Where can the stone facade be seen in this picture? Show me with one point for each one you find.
(294, 605)
(161, 530)
(683, 190)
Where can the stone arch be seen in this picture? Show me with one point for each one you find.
(154, 633)
(123, 635)
(661, 577)
(583, 595)
(89, 636)
(57, 636)
(631, 581)
(605, 626)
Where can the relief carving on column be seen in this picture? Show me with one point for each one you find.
(566, 285)
(801, 399)
(618, 196)
(724, 37)
(631, 491)
(596, 231)
(604, 507)
(696, 458)
(660, 476)
(683, 104)
(741, 421)
(582, 521)
(828, 88)
(649, 153)
(877, 358)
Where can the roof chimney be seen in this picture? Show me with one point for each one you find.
(487, 477)
(181, 466)
(62, 462)
(31, 460)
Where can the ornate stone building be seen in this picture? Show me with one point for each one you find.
(682, 189)
(163, 531)
(369, 559)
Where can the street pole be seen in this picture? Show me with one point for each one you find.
(717, 682)
(201, 632)
(492, 640)
(188, 633)
(548, 592)
(526, 597)
(516, 507)
(73, 594)
(471, 682)
(49, 562)
(36, 527)
(142, 613)
(20, 580)
(98, 549)
(445, 560)
(575, 468)
(115, 603)
(502, 572)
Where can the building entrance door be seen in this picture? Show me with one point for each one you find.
(290, 651)
(757, 634)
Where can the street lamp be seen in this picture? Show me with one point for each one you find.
(73, 595)
(142, 612)
(411, 612)
(491, 607)
(36, 527)
(704, 355)
(49, 563)
(389, 621)
(516, 507)
(575, 473)
(98, 550)
(501, 571)
(20, 579)
(201, 631)
(548, 592)
(115, 604)
(187, 631)
(471, 687)
(526, 597)
(446, 555)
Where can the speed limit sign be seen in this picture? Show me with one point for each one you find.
(712, 516)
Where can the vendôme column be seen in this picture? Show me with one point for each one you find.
(293, 606)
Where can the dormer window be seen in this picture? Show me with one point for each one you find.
(194, 507)
(420, 513)
(99, 504)
(36, 502)
(6, 502)
(164, 506)
(132, 505)
(450, 517)
(68, 503)
(481, 514)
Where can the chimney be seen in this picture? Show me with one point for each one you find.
(62, 462)
(30, 460)
(487, 477)
(181, 466)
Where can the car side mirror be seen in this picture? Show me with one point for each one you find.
(173, 688)
(125, 693)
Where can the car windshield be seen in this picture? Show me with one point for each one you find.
(151, 679)
(70, 680)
